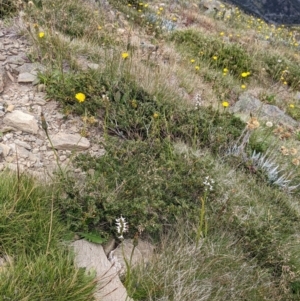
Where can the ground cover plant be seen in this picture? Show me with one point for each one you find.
(168, 156)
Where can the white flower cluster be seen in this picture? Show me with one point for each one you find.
(208, 182)
(122, 226)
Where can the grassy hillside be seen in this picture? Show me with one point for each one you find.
(218, 195)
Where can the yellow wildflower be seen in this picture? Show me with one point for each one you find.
(221, 33)
(134, 104)
(146, 5)
(125, 55)
(197, 68)
(161, 8)
(80, 97)
(292, 106)
(192, 61)
(225, 70)
(244, 74)
(243, 86)
(215, 57)
(225, 104)
(41, 34)
(155, 115)
(99, 27)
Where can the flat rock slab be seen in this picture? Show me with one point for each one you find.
(141, 254)
(21, 121)
(69, 142)
(92, 257)
(27, 77)
(247, 104)
(29, 67)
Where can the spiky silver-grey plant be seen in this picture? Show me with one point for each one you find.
(275, 176)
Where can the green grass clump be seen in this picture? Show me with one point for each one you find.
(283, 70)
(38, 265)
(45, 277)
(228, 55)
(75, 19)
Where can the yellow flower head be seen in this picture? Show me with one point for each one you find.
(125, 55)
(215, 57)
(243, 86)
(192, 61)
(161, 8)
(80, 97)
(225, 104)
(99, 27)
(197, 68)
(225, 70)
(41, 34)
(155, 115)
(292, 106)
(244, 74)
(221, 33)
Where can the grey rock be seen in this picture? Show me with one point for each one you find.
(278, 11)
(247, 104)
(29, 67)
(22, 152)
(93, 66)
(2, 57)
(1, 80)
(27, 77)
(41, 88)
(210, 5)
(5, 149)
(92, 257)
(21, 121)
(39, 100)
(69, 142)
(16, 59)
(23, 144)
(109, 246)
(141, 254)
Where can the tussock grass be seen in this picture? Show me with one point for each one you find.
(36, 263)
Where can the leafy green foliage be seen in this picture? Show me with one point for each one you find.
(8, 7)
(92, 237)
(144, 181)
